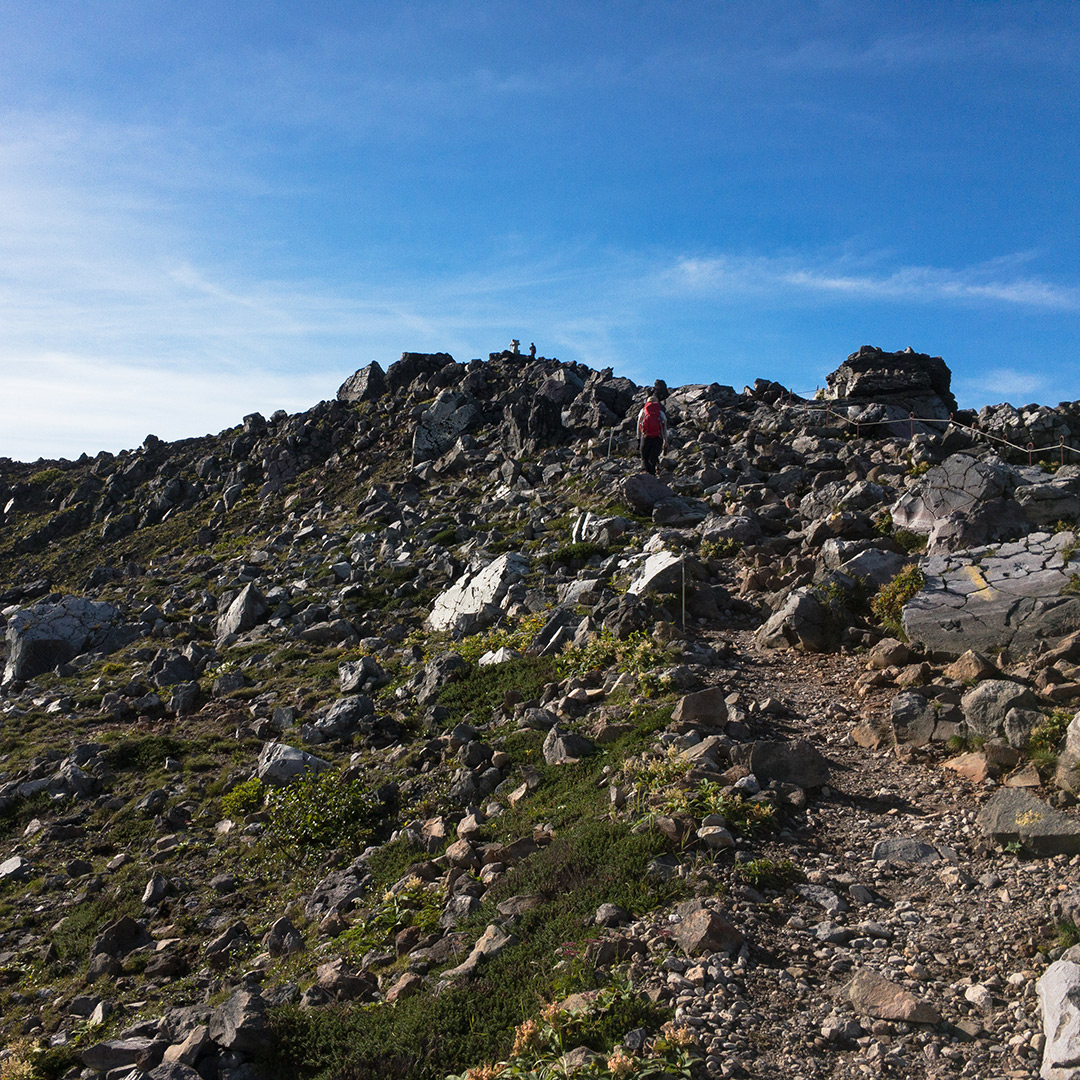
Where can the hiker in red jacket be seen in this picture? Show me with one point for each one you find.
(652, 433)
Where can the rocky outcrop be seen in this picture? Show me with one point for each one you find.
(1017, 596)
(475, 597)
(53, 632)
(908, 381)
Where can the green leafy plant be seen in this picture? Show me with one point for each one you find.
(594, 1020)
(321, 811)
(244, 799)
(888, 604)
(765, 873)
(723, 548)
(413, 904)
(1068, 934)
(636, 653)
(1046, 738)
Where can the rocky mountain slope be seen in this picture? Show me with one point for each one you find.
(422, 734)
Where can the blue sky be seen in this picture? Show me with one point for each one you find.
(208, 209)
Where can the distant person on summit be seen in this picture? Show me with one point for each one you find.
(652, 433)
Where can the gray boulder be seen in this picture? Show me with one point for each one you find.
(1059, 998)
(913, 718)
(55, 631)
(338, 891)
(802, 622)
(1015, 816)
(987, 705)
(137, 1051)
(244, 613)
(643, 491)
(1053, 500)
(796, 761)
(436, 674)
(240, 1024)
(962, 502)
(278, 763)
(451, 414)
(565, 747)
(1014, 596)
(462, 606)
(908, 380)
(364, 385)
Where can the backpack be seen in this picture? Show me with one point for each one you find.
(650, 422)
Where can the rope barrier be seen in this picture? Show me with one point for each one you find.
(1031, 450)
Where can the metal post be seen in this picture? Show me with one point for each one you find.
(684, 592)
(1031, 453)
(611, 435)
(1062, 449)
(911, 421)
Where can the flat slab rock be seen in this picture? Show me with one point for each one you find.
(873, 995)
(1010, 596)
(1059, 997)
(474, 591)
(1015, 816)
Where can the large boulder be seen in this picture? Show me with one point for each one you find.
(643, 491)
(240, 1024)
(987, 706)
(57, 630)
(802, 622)
(1059, 996)
(1015, 816)
(963, 502)
(1016, 596)
(664, 572)
(244, 613)
(451, 414)
(278, 763)
(1046, 501)
(462, 605)
(363, 385)
(915, 382)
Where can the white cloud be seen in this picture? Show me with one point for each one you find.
(1004, 384)
(60, 405)
(779, 278)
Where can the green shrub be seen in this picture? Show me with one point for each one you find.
(1046, 739)
(723, 548)
(765, 873)
(75, 933)
(321, 811)
(635, 654)
(598, 1021)
(888, 604)
(415, 904)
(1068, 934)
(483, 688)
(244, 799)
(581, 552)
(46, 477)
(143, 752)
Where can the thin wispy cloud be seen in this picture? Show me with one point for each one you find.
(781, 278)
(1004, 384)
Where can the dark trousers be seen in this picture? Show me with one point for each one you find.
(652, 446)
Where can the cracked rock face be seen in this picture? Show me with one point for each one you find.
(1013, 596)
(464, 602)
(51, 633)
(908, 379)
